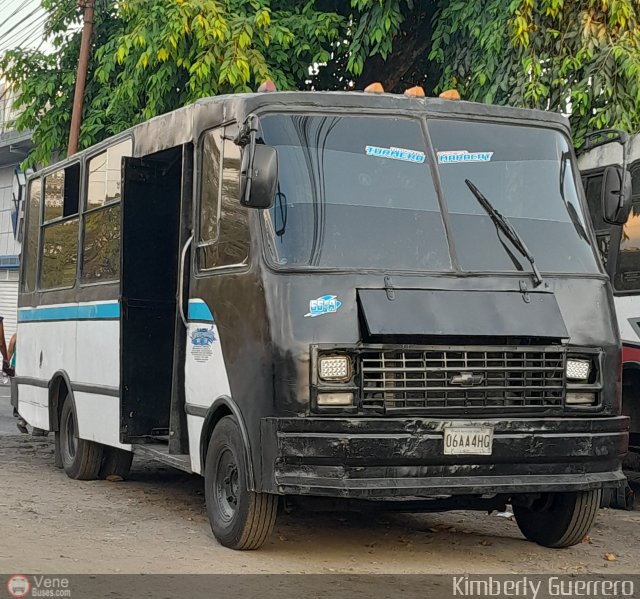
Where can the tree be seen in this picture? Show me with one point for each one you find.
(580, 57)
(150, 56)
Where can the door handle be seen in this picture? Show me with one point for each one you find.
(183, 257)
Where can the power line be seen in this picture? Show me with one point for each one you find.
(26, 28)
(21, 7)
(19, 23)
(17, 29)
(24, 33)
(15, 13)
(36, 32)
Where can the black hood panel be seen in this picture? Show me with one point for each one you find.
(449, 313)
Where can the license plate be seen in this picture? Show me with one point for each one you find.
(469, 440)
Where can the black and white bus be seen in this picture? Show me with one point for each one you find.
(362, 296)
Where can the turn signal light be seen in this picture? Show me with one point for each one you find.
(450, 94)
(335, 399)
(374, 88)
(580, 398)
(415, 92)
(268, 86)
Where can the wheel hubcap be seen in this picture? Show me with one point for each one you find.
(227, 485)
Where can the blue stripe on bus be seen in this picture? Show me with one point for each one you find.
(109, 310)
(198, 311)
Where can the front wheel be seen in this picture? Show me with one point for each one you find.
(239, 518)
(558, 519)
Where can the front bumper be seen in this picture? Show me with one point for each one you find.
(371, 458)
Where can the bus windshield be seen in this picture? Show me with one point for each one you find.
(357, 192)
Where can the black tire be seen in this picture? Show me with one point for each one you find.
(239, 518)
(81, 459)
(57, 456)
(559, 519)
(115, 462)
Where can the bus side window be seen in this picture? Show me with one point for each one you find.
(101, 216)
(224, 223)
(31, 237)
(59, 259)
(233, 240)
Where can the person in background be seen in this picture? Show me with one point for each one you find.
(6, 366)
(12, 354)
(11, 371)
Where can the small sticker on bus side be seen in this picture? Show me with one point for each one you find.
(463, 156)
(201, 341)
(327, 304)
(396, 154)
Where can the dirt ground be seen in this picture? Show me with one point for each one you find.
(155, 522)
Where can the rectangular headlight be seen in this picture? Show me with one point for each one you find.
(580, 398)
(334, 368)
(578, 370)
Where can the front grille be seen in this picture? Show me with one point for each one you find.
(462, 379)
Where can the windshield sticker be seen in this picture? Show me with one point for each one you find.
(327, 304)
(463, 156)
(396, 154)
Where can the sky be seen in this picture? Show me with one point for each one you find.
(21, 23)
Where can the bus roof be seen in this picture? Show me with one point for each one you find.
(184, 125)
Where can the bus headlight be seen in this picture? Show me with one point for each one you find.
(578, 370)
(335, 368)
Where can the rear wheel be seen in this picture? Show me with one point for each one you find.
(115, 462)
(81, 459)
(558, 519)
(239, 518)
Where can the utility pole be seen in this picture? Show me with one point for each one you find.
(81, 76)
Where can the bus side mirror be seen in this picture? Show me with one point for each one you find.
(260, 178)
(616, 195)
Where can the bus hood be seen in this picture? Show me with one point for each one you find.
(438, 312)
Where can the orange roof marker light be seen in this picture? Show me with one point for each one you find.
(450, 94)
(415, 92)
(374, 88)
(268, 86)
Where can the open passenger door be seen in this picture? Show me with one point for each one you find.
(150, 225)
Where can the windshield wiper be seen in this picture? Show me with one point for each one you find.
(505, 226)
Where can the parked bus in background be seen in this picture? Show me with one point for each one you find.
(365, 296)
(619, 247)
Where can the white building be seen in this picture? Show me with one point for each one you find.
(14, 147)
